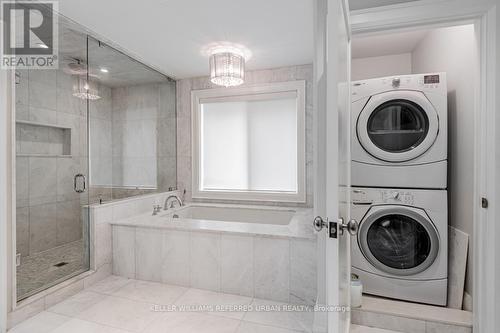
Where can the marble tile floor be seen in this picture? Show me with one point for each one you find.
(120, 305)
(38, 271)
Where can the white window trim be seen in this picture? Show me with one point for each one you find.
(245, 93)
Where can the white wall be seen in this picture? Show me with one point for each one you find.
(372, 67)
(453, 50)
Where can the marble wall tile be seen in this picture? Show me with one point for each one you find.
(183, 98)
(166, 139)
(125, 209)
(272, 268)
(41, 115)
(124, 251)
(69, 226)
(22, 89)
(205, 261)
(33, 139)
(103, 244)
(43, 227)
(22, 231)
(43, 95)
(175, 258)
(43, 76)
(68, 103)
(76, 123)
(303, 271)
(184, 172)
(43, 180)
(22, 181)
(102, 171)
(237, 265)
(184, 136)
(148, 251)
(167, 175)
(103, 214)
(67, 168)
(22, 111)
(167, 100)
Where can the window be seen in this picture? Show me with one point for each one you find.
(249, 142)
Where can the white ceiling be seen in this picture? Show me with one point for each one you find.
(170, 34)
(363, 4)
(386, 44)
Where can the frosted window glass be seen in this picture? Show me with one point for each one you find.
(249, 145)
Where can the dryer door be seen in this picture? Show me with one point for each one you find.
(397, 126)
(398, 240)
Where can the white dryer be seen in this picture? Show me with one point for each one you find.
(402, 244)
(399, 132)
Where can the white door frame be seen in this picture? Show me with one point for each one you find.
(486, 288)
(5, 194)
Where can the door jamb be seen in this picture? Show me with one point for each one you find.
(482, 13)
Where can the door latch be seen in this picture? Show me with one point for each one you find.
(332, 230)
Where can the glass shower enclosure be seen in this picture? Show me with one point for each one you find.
(51, 170)
(101, 127)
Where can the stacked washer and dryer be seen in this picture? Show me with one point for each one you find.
(399, 179)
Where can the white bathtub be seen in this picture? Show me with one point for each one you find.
(230, 214)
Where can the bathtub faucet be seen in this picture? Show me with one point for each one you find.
(170, 203)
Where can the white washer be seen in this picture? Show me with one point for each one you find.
(400, 132)
(402, 244)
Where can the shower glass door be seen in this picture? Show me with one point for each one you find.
(52, 222)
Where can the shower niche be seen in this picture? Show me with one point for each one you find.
(38, 139)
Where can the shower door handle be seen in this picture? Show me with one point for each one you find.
(80, 187)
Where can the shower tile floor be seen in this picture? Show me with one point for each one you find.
(39, 271)
(119, 305)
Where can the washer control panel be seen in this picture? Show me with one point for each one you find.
(362, 196)
(397, 196)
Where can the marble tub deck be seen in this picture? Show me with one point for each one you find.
(300, 225)
(120, 305)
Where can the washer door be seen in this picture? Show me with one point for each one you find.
(397, 126)
(398, 240)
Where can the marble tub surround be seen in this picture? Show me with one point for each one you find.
(275, 262)
(102, 215)
(283, 74)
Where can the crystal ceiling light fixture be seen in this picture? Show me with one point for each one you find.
(227, 64)
(85, 89)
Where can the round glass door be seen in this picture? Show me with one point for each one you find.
(398, 126)
(400, 241)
